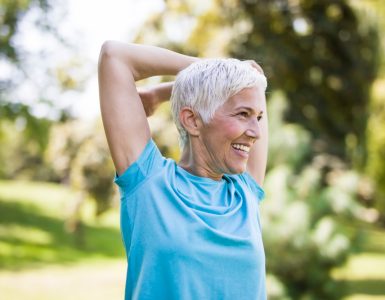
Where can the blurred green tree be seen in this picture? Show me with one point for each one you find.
(376, 146)
(12, 55)
(79, 156)
(25, 105)
(21, 151)
(375, 167)
(11, 14)
(307, 204)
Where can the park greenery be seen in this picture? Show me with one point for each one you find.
(325, 183)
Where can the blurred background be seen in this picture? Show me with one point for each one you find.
(324, 214)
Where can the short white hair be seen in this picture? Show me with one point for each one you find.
(207, 84)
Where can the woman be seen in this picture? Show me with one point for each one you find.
(191, 229)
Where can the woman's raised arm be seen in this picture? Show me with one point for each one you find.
(123, 114)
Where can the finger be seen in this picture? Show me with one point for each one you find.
(255, 66)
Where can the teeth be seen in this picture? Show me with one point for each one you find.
(241, 147)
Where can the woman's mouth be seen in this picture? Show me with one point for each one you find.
(242, 150)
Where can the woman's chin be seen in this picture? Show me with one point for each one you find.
(238, 169)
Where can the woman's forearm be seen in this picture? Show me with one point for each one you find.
(162, 91)
(146, 61)
(152, 97)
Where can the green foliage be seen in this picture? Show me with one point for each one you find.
(201, 29)
(11, 15)
(291, 137)
(64, 142)
(303, 238)
(12, 12)
(92, 171)
(376, 148)
(275, 288)
(25, 141)
(23, 135)
(19, 73)
(79, 155)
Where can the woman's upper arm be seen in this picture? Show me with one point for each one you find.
(123, 115)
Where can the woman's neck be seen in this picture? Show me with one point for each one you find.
(193, 162)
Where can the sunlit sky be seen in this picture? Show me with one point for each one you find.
(108, 19)
(97, 21)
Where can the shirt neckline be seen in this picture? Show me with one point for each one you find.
(199, 179)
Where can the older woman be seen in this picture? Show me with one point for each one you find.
(191, 229)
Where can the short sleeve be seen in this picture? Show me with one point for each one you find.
(149, 161)
(253, 185)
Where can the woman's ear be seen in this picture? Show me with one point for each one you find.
(190, 121)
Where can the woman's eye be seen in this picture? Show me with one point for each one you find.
(243, 114)
(259, 118)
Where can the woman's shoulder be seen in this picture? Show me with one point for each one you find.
(245, 180)
(148, 163)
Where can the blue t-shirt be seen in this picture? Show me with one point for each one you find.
(190, 237)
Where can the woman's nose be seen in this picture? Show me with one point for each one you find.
(254, 130)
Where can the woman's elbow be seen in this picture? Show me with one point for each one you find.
(108, 50)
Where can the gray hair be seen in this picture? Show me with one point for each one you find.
(207, 84)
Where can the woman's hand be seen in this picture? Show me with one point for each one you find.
(257, 162)
(149, 100)
(154, 96)
(255, 66)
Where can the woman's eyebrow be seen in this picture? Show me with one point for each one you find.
(249, 109)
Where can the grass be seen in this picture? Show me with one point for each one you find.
(40, 260)
(364, 276)
(97, 280)
(32, 229)
(364, 273)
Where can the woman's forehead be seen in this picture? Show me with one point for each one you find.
(250, 98)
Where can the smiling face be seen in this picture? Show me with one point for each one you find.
(225, 142)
